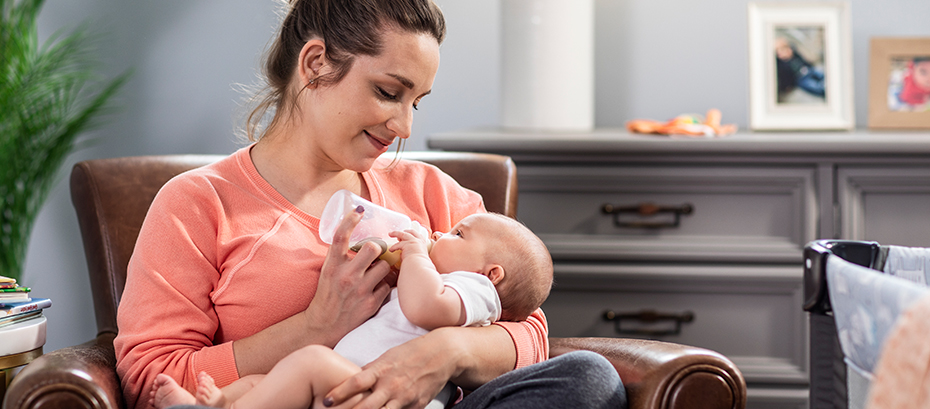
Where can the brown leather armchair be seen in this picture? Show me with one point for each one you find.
(111, 197)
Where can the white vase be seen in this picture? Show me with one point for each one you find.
(547, 77)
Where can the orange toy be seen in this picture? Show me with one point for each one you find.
(691, 125)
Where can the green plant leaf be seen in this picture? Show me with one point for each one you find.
(50, 94)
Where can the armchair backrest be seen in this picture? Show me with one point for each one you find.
(112, 196)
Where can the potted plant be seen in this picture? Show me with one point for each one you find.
(49, 95)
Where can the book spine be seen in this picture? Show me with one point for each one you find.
(24, 308)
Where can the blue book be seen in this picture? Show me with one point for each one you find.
(35, 304)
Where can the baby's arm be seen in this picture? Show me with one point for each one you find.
(424, 300)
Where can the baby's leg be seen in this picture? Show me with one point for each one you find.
(166, 392)
(209, 395)
(300, 380)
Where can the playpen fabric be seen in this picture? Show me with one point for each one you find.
(902, 376)
(909, 263)
(883, 322)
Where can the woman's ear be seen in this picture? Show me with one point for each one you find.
(495, 272)
(312, 60)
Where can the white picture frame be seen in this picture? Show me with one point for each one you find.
(800, 66)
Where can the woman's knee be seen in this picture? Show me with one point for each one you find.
(580, 379)
(586, 367)
(592, 378)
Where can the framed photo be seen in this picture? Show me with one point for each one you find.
(899, 83)
(800, 66)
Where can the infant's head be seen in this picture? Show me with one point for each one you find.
(783, 49)
(920, 71)
(504, 250)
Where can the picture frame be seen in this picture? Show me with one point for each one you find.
(899, 83)
(800, 66)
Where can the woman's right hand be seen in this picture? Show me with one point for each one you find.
(351, 287)
(350, 290)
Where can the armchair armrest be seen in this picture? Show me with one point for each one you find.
(662, 375)
(82, 376)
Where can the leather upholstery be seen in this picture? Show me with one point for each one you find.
(111, 197)
(665, 375)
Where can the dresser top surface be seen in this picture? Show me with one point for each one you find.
(619, 141)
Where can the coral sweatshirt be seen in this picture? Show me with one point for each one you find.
(222, 255)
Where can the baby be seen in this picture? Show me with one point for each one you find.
(489, 267)
(915, 90)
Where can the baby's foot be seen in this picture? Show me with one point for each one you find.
(207, 392)
(166, 392)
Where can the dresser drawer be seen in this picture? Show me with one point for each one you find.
(749, 314)
(737, 213)
(890, 205)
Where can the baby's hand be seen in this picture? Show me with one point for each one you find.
(411, 242)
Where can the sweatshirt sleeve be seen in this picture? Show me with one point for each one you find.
(166, 318)
(530, 337)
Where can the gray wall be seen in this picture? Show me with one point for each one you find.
(654, 59)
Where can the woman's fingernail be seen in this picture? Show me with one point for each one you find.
(360, 209)
(329, 401)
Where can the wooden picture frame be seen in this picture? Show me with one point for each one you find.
(899, 83)
(800, 66)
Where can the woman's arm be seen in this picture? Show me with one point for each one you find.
(530, 338)
(169, 322)
(483, 355)
(414, 372)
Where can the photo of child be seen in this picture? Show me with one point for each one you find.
(909, 84)
(799, 64)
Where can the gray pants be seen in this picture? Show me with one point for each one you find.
(578, 379)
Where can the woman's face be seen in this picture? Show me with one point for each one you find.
(355, 120)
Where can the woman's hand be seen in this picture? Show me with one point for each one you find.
(406, 376)
(351, 287)
(350, 290)
(411, 374)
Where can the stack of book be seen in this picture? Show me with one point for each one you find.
(16, 306)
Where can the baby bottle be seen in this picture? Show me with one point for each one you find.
(376, 224)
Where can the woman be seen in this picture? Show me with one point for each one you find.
(229, 274)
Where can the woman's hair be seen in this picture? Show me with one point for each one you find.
(348, 28)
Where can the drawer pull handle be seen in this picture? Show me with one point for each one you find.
(645, 210)
(648, 317)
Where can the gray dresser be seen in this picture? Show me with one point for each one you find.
(698, 241)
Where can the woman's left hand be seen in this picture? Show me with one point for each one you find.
(406, 376)
(411, 374)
